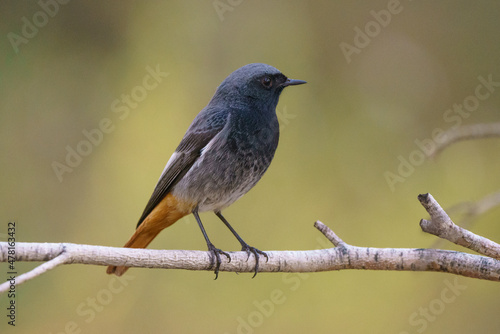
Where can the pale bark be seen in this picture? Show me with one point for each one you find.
(342, 256)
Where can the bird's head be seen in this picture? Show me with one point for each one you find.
(259, 83)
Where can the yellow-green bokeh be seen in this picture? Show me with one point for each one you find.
(340, 133)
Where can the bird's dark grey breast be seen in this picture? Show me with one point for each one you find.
(252, 142)
(233, 162)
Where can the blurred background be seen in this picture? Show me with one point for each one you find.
(84, 139)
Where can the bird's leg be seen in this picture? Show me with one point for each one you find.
(215, 258)
(244, 246)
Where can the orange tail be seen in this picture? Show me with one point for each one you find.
(167, 212)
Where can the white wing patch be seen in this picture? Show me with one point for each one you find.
(169, 162)
(215, 138)
(208, 146)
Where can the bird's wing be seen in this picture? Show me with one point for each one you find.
(203, 129)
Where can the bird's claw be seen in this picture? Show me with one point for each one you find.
(256, 252)
(215, 259)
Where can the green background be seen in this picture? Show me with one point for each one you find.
(340, 133)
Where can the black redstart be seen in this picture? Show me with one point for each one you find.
(223, 154)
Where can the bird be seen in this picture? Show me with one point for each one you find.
(223, 154)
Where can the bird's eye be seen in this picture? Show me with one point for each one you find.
(266, 82)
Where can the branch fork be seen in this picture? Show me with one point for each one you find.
(341, 256)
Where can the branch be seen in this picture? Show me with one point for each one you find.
(442, 226)
(475, 131)
(342, 256)
(470, 211)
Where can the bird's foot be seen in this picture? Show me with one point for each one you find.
(215, 259)
(256, 252)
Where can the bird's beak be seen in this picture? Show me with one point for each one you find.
(292, 82)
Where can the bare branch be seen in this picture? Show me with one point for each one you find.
(329, 234)
(61, 259)
(442, 226)
(342, 256)
(475, 131)
(470, 211)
